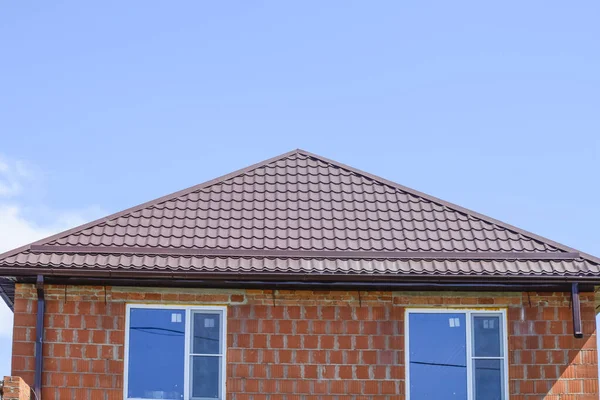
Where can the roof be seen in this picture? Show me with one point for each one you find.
(298, 213)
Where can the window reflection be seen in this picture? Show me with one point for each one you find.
(206, 370)
(440, 363)
(205, 377)
(156, 353)
(488, 379)
(486, 333)
(438, 359)
(207, 331)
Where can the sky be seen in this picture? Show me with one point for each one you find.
(490, 105)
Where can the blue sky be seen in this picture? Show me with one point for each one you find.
(493, 106)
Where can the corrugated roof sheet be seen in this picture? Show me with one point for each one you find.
(298, 202)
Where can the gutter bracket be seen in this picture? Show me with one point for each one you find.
(576, 308)
(39, 340)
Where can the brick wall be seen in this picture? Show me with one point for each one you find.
(15, 388)
(287, 345)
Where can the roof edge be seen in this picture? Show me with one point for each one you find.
(148, 204)
(22, 274)
(463, 210)
(455, 207)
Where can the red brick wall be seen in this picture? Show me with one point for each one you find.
(302, 344)
(15, 388)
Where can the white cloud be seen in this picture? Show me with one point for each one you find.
(13, 174)
(9, 188)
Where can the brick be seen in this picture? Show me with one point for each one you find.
(371, 387)
(59, 350)
(294, 342)
(310, 372)
(311, 342)
(326, 342)
(260, 341)
(23, 348)
(20, 334)
(276, 341)
(237, 298)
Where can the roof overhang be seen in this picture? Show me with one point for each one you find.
(291, 281)
(7, 291)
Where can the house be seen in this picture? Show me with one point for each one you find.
(301, 278)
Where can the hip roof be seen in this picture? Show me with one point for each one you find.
(299, 213)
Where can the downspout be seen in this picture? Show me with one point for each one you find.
(39, 340)
(576, 306)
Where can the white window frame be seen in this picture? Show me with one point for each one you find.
(220, 310)
(469, 314)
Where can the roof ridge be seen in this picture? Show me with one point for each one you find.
(452, 206)
(150, 203)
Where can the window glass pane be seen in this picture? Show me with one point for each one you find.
(206, 371)
(437, 356)
(488, 379)
(156, 353)
(206, 333)
(486, 334)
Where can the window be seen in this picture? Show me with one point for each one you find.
(456, 354)
(175, 353)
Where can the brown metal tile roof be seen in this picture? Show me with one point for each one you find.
(300, 213)
(288, 265)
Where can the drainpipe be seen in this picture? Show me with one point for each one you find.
(39, 340)
(576, 306)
